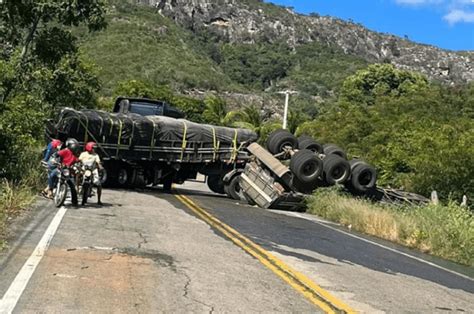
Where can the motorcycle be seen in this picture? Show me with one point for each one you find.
(86, 180)
(65, 180)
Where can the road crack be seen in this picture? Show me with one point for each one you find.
(186, 293)
(144, 240)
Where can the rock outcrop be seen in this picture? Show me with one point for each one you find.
(249, 21)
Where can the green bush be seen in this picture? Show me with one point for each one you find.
(418, 140)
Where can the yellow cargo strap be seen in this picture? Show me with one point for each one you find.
(214, 140)
(119, 137)
(112, 126)
(183, 145)
(90, 134)
(234, 148)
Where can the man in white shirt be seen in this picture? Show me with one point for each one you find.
(90, 156)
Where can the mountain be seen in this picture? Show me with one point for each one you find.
(250, 21)
(246, 50)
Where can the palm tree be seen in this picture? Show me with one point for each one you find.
(216, 111)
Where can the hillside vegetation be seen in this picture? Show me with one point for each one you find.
(139, 43)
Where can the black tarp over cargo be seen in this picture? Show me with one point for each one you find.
(132, 136)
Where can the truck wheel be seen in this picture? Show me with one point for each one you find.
(305, 188)
(363, 177)
(139, 178)
(355, 162)
(330, 149)
(309, 143)
(336, 169)
(216, 184)
(168, 183)
(122, 176)
(104, 179)
(306, 166)
(279, 139)
(232, 188)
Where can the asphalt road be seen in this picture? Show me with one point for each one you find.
(148, 251)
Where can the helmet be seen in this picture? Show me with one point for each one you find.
(73, 145)
(71, 141)
(90, 146)
(56, 143)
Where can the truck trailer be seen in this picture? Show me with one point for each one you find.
(148, 142)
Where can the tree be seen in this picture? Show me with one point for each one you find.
(40, 70)
(216, 111)
(36, 24)
(381, 80)
(295, 119)
(418, 141)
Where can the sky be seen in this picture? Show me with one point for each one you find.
(448, 24)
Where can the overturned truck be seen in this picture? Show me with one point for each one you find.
(281, 175)
(141, 146)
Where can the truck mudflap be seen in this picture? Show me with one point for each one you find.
(260, 187)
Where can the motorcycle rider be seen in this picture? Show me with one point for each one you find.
(48, 161)
(90, 156)
(67, 157)
(51, 149)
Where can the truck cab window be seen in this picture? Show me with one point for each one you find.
(146, 109)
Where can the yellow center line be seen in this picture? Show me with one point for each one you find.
(314, 293)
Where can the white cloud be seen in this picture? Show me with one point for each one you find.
(456, 11)
(456, 16)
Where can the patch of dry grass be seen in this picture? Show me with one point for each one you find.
(14, 198)
(445, 231)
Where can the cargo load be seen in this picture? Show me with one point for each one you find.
(159, 138)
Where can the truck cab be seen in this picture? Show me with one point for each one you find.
(146, 107)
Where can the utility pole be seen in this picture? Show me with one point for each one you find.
(287, 94)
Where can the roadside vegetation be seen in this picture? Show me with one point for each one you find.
(40, 71)
(446, 231)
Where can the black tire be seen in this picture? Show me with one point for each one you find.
(304, 137)
(85, 192)
(304, 188)
(216, 184)
(123, 176)
(104, 176)
(364, 177)
(168, 183)
(232, 188)
(139, 178)
(355, 162)
(312, 145)
(60, 194)
(337, 170)
(306, 166)
(333, 149)
(279, 139)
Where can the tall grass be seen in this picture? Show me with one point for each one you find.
(16, 197)
(443, 230)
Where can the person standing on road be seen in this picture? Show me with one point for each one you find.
(90, 156)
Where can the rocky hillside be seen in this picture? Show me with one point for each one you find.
(252, 21)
